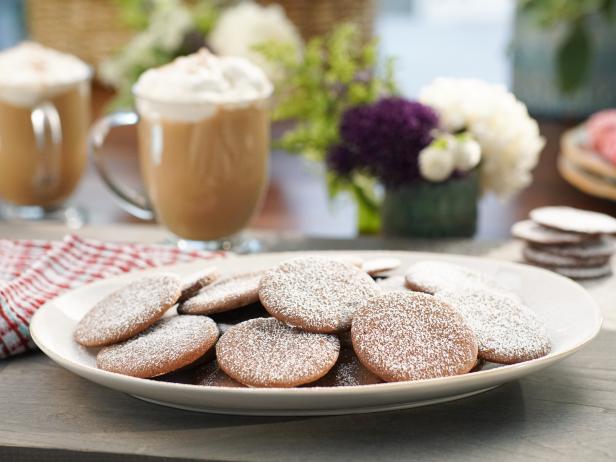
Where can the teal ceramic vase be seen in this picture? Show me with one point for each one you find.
(430, 210)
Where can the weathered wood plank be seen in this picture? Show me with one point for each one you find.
(567, 412)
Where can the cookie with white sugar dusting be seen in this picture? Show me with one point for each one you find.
(412, 336)
(129, 310)
(254, 310)
(392, 283)
(225, 294)
(584, 273)
(434, 276)
(316, 294)
(168, 345)
(507, 331)
(377, 266)
(574, 220)
(192, 284)
(209, 375)
(530, 231)
(265, 352)
(347, 372)
(602, 247)
(347, 258)
(544, 258)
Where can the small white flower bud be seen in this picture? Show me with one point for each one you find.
(467, 153)
(436, 164)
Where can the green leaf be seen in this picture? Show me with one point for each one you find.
(573, 59)
(205, 14)
(336, 71)
(133, 13)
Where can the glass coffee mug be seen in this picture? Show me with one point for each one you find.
(205, 176)
(43, 149)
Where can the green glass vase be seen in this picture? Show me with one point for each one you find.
(425, 210)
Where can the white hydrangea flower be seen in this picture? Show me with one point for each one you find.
(240, 28)
(436, 163)
(170, 21)
(169, 24)
(509, 138)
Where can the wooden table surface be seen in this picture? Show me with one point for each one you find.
(297, 199)
(567, 412)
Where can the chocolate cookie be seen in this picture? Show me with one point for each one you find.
(377, 266)
(315, 294)
(254, 310)
(412, 336)
(544, 258)
(392, 283)
(530, 231)
(348, 371)
(225, 294)
(208, 374)
(168, 345)
(195, 282)
(585, 273)
(434, 276)
(265, 352)
(574, 220)
(129, 310)
(478, 365)
(507, 331)
(602, 247)
(354, 260)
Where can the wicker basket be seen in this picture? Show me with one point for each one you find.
(89, 29)
(316, 17)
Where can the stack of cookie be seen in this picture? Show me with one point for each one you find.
(311, 321)
(575, 243)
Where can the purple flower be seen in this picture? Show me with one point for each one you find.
(384, 140)
(340, 159)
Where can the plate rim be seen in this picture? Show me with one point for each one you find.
(503, 370)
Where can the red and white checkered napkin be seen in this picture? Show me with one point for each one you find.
(34, 272)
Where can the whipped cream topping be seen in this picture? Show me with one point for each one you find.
(192, 87)
(30, 73)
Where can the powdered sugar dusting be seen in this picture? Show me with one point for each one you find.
(530, 231)
(411, 336)
(316, 294)
(542, 257)
(574, 220)
(602, 247)
(264, 352)
(380, 265)
(392, 283)
(225, 294)
(507, 331)
(347, 372)
(129, 310)
(585, 273)
(197, 281)
(168, 345)
(211, 375)
(434, 276)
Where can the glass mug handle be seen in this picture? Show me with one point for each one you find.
(129, 199)
(42, 116)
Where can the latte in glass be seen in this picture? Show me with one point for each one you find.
(44, 121)
(203, 127)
